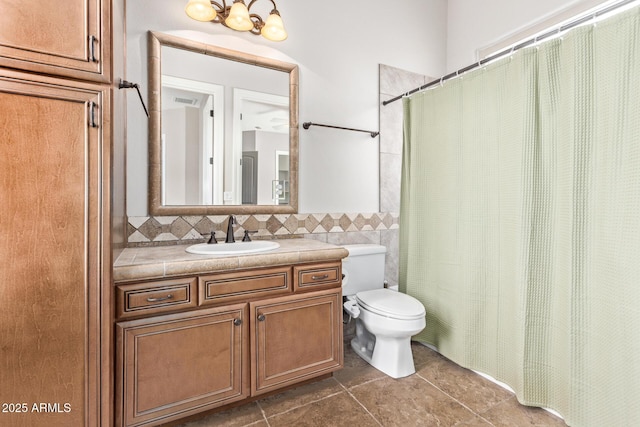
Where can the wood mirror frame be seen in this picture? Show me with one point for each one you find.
(156, 41)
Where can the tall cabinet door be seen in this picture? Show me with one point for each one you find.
(67, 38)
(51, 249)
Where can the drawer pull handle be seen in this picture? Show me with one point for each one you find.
(160, 299)
(92, 48)
(324, 276)
(237, 322)
(92, 114)
(261, 317)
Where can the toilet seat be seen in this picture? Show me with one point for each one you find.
(392, 304)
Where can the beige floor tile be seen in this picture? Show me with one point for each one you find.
(441, 393)
(356, 370)
(340, 410)
(471, 389)
(476, 421)
(410, 401)
(423, 355)
(243, 415)
(299, 396)
(511, 413)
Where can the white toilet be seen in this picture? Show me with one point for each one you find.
(385, 319)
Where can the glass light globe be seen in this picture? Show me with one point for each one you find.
(238, 18)
(274, 28)
(200, 10)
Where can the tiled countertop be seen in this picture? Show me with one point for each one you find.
(169, 261)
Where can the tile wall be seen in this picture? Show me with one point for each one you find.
(336, 228)
(393, 81)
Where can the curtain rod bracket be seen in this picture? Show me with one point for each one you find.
(307, 125)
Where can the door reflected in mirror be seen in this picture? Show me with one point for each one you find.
(192, 142)
(261, 129)
(280, 186)
(223, 131)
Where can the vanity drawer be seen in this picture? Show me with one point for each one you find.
(240, 285)
(317, 276)
(142, 299)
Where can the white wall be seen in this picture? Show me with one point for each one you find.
(338, 46)
(473, 25)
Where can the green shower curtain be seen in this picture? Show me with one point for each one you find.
(520, 221)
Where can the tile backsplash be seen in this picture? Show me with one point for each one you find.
(164, 230)
(336, 228)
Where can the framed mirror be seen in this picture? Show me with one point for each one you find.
(223, 130)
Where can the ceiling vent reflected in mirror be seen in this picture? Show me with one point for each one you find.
(188, 101)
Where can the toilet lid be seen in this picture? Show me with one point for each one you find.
(390, 303)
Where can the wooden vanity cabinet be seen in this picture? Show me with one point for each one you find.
(174, 365)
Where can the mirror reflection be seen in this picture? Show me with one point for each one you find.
(261, 126)
(223, 131)
(192, 142)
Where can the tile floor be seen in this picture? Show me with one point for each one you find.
(440, 393)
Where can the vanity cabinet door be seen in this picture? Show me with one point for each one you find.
(67, 38)
(295, 338)
(172, 366)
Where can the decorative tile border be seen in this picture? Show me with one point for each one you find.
(167, 230)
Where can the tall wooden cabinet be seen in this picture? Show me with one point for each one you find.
(55, 248)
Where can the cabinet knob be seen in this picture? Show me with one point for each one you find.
(261, 317)
(237, 322)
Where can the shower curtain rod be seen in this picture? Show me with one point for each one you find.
(510, 50)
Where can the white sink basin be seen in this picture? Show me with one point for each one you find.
(237, 248)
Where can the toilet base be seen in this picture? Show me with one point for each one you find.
(392, 356)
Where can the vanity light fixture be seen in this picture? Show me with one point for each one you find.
(237, 17)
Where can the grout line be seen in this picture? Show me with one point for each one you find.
(456, 400)
(264, 415)
(360, 403)
(493, 406)
(361, 384)
(299, 406)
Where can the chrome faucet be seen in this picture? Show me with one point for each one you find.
(232, 222)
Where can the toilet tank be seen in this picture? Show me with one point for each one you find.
(363, 268)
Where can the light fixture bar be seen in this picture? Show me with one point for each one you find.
(238, 17)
